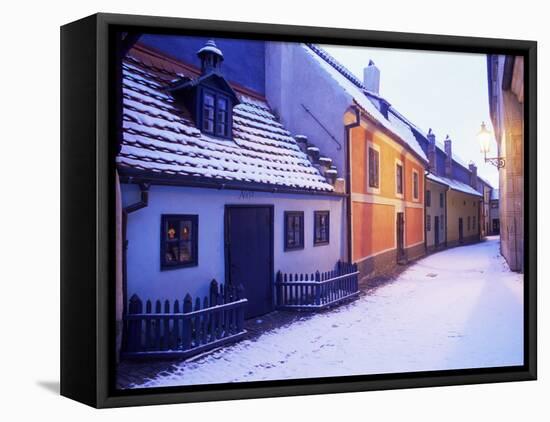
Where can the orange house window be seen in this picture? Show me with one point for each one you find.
(399, 179)
(415, 185)
(374, 165)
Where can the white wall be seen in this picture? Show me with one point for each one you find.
(143, 233)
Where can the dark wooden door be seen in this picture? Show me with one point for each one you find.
(436, 232)
(400, 236)
(249, 255)
(460, 230)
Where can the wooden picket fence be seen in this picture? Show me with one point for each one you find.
(169, 331)
(317, 290)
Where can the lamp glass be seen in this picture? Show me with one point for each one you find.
(484, 138)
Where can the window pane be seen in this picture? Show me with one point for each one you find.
(222, 104)
(185, 252)
(208, 113)
(172, 252)
(186, 232)
(373, 168)
(172, 230)
(221, 116)
(399, 176)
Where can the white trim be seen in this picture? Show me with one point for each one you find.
(375, 147)
(415, 199)
(400, 163)
(381, 200)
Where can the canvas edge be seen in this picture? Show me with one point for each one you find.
(104, 396)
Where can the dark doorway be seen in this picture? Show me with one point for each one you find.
(249, 254)
(400, 222)
(460, 231)
(496, 226)
(436, 231)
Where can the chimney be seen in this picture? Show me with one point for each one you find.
(473, 175)
(301, 140)
(371, 78)
(211, 58)
(431, 151)
(449, 158)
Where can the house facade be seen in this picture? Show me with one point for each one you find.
(369, 141)
(212, 185)
(506, 98)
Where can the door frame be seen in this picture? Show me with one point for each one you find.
(226, 243)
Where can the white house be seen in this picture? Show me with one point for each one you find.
(214, 187)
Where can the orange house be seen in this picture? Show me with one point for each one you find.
(386, 194)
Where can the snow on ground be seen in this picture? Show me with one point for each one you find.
(460, 308)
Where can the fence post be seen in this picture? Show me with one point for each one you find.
(318, 288)
(214, 318)
(186, 329)
(134, 327)
(278, 288)
(176, 327)
(240, 309)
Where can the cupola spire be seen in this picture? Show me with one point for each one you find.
(211, 57)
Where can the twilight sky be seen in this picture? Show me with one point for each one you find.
(443, 91)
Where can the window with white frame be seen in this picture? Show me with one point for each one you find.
(398, 178)
(373, 168)
(416, 185)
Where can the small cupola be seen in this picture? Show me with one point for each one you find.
(211, 58)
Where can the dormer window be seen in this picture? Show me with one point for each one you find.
(215, 113)
(209, 98)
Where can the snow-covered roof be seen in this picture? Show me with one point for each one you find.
(358, 92)
(159, 137)
(494, 194)
(454, 184)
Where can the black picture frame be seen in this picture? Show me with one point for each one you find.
(88, 107)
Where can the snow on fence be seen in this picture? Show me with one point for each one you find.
(173, 332)
(317, 290)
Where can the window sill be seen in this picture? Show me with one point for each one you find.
(297, 248)
(178, 266)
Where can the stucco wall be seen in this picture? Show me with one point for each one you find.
(374, 229)
(374, 212)
(461, 205)
(143, 234)
(435, 210)
(294, 78)
(414, 227)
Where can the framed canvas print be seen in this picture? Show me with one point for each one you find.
(254, 210)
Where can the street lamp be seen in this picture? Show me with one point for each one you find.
(484, 137)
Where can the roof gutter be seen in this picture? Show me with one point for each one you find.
(347, 138)
(143, 177)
